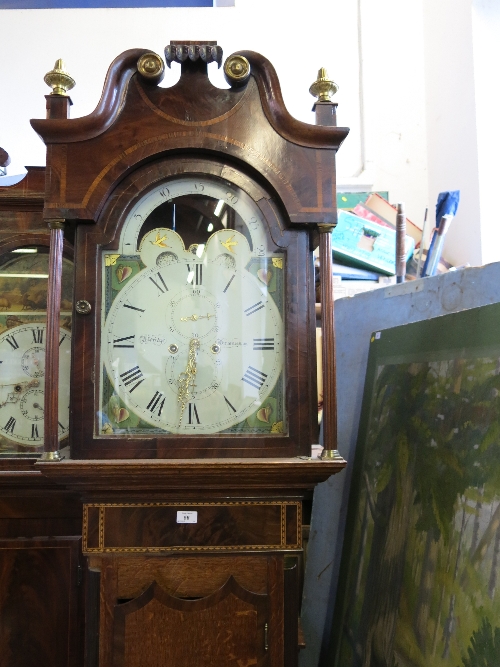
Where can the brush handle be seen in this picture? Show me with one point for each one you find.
(436, 249)
(400, 244)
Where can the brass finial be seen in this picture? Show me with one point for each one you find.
(323, 88)
(59, 79)
(150, 66)
(237, 70)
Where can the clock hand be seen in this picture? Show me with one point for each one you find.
(186, 379)
(195, 318)
(19, 387)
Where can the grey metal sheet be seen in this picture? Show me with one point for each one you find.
(355, 320)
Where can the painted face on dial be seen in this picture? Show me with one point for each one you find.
(193, 338)
(22, 376)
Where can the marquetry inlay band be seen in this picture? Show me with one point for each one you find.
(219, 526)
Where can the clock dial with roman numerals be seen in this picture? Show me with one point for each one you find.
(193, 334)
(22, 376)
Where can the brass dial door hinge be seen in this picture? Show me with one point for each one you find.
(79, 575)
(266, 642)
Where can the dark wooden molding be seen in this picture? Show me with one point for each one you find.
(131, 476)
(19, 476)
(29, 192)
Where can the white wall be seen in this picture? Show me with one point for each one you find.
(88, 40)
(383, 107)
(416, 79)
(462, 52)
(486, 50)
(452, 122)
(393, 101)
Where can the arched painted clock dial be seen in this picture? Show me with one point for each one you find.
(193, 334)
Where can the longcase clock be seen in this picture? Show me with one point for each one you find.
(193, 408)
(40, 523)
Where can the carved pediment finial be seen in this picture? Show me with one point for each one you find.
(323, 88)
(59, 79)
(236, 70)
(179, 52)
(150, 66)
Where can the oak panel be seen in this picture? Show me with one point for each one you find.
(189, 576)
(157, 629)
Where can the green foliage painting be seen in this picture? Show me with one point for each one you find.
(421, 561)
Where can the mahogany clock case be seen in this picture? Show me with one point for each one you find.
(141, 136)
(292, 245)
(242, 560)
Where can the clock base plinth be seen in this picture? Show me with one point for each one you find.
(180, 552)
(166, 477)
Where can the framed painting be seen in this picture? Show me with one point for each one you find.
(421, 558)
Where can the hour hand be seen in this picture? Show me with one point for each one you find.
(18, 388)
(21, 386)
(195, 318)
